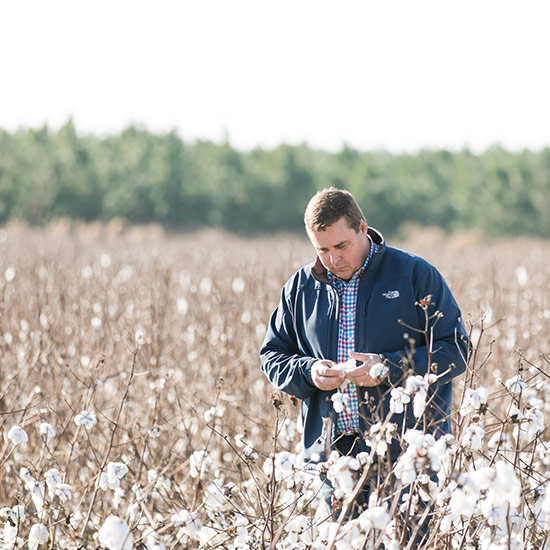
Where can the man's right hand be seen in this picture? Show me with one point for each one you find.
(324, 376)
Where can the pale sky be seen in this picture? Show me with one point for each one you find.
(398, 75)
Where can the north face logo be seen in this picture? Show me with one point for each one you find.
(391, 294)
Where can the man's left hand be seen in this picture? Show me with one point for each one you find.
(360, 375)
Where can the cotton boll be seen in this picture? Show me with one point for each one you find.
(348, 365)
(339, 401)
(380, 436)
(375, 517)
(299, 528)
(515, 385)
(418, 387)
(63, 491)
(17, 435)
(26, 476)
(507, 485)
(10, 538)
(139, 338)
(473, 437)
(284, 463)
(86, 418)
(378, 371)
(399, 398)
(115, 534)
(535, 419)
(53, 479)
(190, 523)
(419, 404)
(462, 503)
(473, 400)
(47, 430)
(342, 474)
(153, 544)
(249, 453)
(212, 413)
(405, 469)
(38, 535)
(515, 414)
(198, 464)
(38, 492)
(237, 285)
(7, 514)
(522, 275)
(328, 530)
(115, 472)
(118, 496)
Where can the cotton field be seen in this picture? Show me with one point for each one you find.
(133, 412)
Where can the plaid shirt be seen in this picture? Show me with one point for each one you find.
(348, 419)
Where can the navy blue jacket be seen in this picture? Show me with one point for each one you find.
(304, 328)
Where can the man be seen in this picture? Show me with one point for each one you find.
(373, 303)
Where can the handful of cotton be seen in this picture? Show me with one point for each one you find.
(346, 366)
(377, 372)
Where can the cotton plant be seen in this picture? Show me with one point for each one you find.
(416, 386)
(36, 489)
(47, 430)
(349, 536)
(216, 498)
(110, 479)
(489, 492)
(343, 474)
(301, 529)
(421, 454)
(415, 390)
(9, 537)
(161, 485)
(380, 435)
(10, 532)
(515, 385)
(474, 401)
(199, 464)
(473, 437)
(212, 413)
(249, 454)
(188, 524)
(282, 464)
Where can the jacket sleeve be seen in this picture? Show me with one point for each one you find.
(446, 332)
(280, 356)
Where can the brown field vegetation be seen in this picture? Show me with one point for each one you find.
(157, 336)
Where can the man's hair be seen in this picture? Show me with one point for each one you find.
(328, 206)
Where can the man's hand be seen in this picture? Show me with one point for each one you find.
(360, 375)
(325, 377)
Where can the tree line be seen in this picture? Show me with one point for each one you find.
(145, 177)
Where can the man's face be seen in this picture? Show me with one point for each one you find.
(341, 250)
